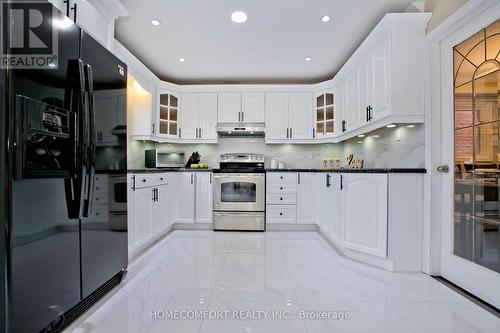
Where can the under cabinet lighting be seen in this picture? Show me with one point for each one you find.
(376, 136)
(410, 126)
(155, 22)
(325, 18)
(391, 126)
(239, 17)
(361, 136)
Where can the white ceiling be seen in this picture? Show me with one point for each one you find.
(269, 47)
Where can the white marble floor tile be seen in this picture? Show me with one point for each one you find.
(284, 273)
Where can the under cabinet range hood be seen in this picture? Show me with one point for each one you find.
(241, 129)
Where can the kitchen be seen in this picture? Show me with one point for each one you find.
(236, 181)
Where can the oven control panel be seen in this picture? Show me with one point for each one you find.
(242, 158)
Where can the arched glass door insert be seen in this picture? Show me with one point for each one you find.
(476, 232)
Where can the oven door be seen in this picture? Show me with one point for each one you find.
(239, 192)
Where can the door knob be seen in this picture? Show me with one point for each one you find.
(443, 168)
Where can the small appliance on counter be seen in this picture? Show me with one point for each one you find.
(162, 158)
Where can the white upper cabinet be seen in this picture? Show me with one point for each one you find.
(253, 107)
(300, 116)
(167, 114)
(364, 213)
(379, 103)
(96, 17)
(277, 116)
(229, 109)
(199, 117)
(288, 117)
(325, 114)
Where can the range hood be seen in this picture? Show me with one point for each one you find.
(241, 129)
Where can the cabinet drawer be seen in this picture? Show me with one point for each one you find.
(282, 177)
(281, 199)
(276, 188)
(158, 179)
(281, 214)
(100, 198)
(143, 180)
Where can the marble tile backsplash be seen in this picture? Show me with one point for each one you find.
(398, 147)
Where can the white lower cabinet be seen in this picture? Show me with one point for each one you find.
(306, 197)
(184, 198)
(328, 204)
(149, 209)
(281, 197)
(141, 228)
(363, 200)
(204, 197)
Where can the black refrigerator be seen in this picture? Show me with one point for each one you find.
(58, 257)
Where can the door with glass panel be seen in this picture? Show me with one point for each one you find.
(471, 227)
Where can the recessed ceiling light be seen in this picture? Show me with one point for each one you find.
(239, 16)
(410, 126)
(391, 126)
(376, 136)
(182, 59)
(155, 22)
(308, 59)
(361, 136)
(325, 18)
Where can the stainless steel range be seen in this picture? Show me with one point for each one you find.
(239, 193)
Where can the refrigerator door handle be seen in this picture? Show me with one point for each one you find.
(91, 149)
(75, 186)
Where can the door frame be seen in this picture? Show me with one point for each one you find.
(472, 17)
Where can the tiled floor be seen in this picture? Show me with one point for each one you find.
(288, 273)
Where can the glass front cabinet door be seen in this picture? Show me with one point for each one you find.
(167, 119)
(325, 114)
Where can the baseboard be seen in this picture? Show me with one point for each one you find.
(193, 226)
(137, 252)
(291, 227)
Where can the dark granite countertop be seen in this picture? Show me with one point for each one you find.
(374, 170)
(377, 170)
(154, 170)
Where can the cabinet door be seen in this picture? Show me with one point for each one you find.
(364, 90)
(142, 216)
(322, 200)
(229, 109)
(306, 197)
(252, 105)
(325, 114)
(380, 82)
(300, 113)
(208, 116)
(364, 213)
(277, 121)
(184, 208)
(167, 117)
(204, 194)
(160, 210)
(352, 102)
(140, 110)
(335, 221)
(190, 117)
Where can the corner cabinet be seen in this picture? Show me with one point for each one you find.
(167, 114)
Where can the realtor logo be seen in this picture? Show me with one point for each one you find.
(29, 35)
